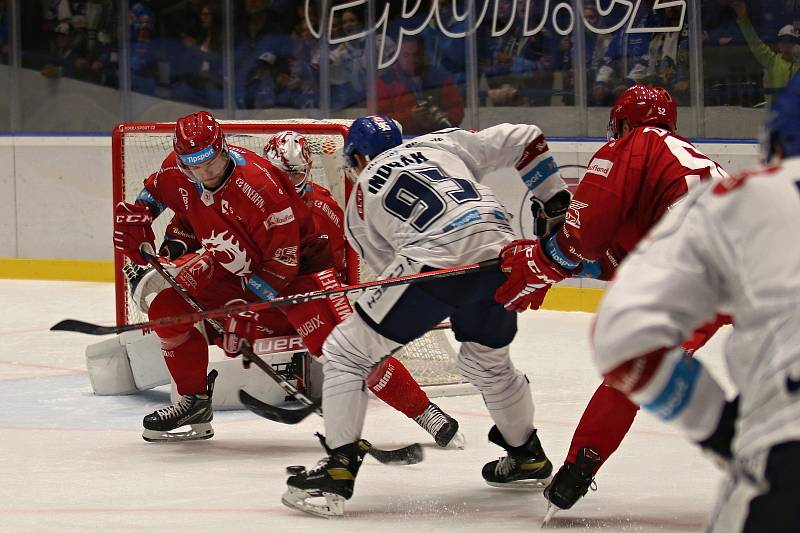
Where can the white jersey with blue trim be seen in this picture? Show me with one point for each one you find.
(729, 247)
(424, 200)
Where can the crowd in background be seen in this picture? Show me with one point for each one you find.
(175, 51)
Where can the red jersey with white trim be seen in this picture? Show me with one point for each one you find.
(254, 223)
(628, 186)
(328, 218)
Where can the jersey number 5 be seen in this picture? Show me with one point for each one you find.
(414, 197)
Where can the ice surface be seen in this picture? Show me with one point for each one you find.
(73, 461)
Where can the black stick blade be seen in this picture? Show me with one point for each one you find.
(79, 326)
(410, 455)
(277, 414)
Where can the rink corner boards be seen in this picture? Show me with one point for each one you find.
(558, 299)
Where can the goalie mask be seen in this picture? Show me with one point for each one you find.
(201, 148)
(289, 151)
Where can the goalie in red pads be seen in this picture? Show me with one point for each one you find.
(256, 238)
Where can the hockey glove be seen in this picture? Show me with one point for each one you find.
(530, 274)
(197, 273)
(239, 327)
(718, 444)
(132, 229)
(550, 215)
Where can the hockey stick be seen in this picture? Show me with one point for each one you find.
(89, 328)
(411, 454)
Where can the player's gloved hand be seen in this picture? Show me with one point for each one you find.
(718, 444)
(197, 273)
(550, 215)
(239, 328)
(530, 274)
(132, 229)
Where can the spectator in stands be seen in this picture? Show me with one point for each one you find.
(779, 65)
(421, 97)
(255, 36)
(348, 68)
(514, 65)
(198, 78)
(64, 52)
(445, 52)
(273, 84)
(668, 57)
(143, 67)
(626, 59)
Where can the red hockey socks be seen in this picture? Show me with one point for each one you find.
(391, 382)
(187, 362)
(604, 423)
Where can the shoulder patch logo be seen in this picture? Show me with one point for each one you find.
(601, 167)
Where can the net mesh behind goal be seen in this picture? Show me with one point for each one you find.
(139, 149)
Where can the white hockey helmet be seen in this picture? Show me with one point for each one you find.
(290, 152)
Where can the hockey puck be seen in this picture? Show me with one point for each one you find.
(295, 469)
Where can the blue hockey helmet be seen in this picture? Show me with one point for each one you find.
(370, 136)
(783, 123)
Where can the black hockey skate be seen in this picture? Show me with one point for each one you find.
(525, 467)
(332, 478)
(442, 427)
(192, 410)
(572, 481)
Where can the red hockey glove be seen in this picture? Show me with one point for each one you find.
(530, 274)
(239, 327)
(132, 229)
(197, 273)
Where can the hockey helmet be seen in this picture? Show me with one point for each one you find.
(643, 105)
(200, 146)
(371, 136)
(783, 123)
(289, 151)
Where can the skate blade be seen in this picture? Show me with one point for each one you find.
(302, 501)
(195, 432)
(457, 442)
(551, 512)
(522, 484)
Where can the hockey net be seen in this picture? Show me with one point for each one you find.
(138, 150)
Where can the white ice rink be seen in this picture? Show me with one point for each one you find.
(72, 461)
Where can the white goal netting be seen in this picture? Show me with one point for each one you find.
(138, 150)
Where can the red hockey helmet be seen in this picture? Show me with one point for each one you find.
(642, 105)
(200, 146)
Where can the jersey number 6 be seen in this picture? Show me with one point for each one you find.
(414, 198)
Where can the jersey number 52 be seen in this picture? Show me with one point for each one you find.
(417, 196)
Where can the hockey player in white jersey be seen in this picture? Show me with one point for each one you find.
(420, 206)
(731, 246)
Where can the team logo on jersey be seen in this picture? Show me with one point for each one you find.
(226, 207)
(601, 167)
(219, 245)
(185, 196)
(574, 213)
(286, 256)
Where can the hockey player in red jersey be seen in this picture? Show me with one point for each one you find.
(258, 241)
(630, 183)
(390, 381)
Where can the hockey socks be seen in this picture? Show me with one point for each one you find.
(187, 362)
(391, 382)
(603, 425)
